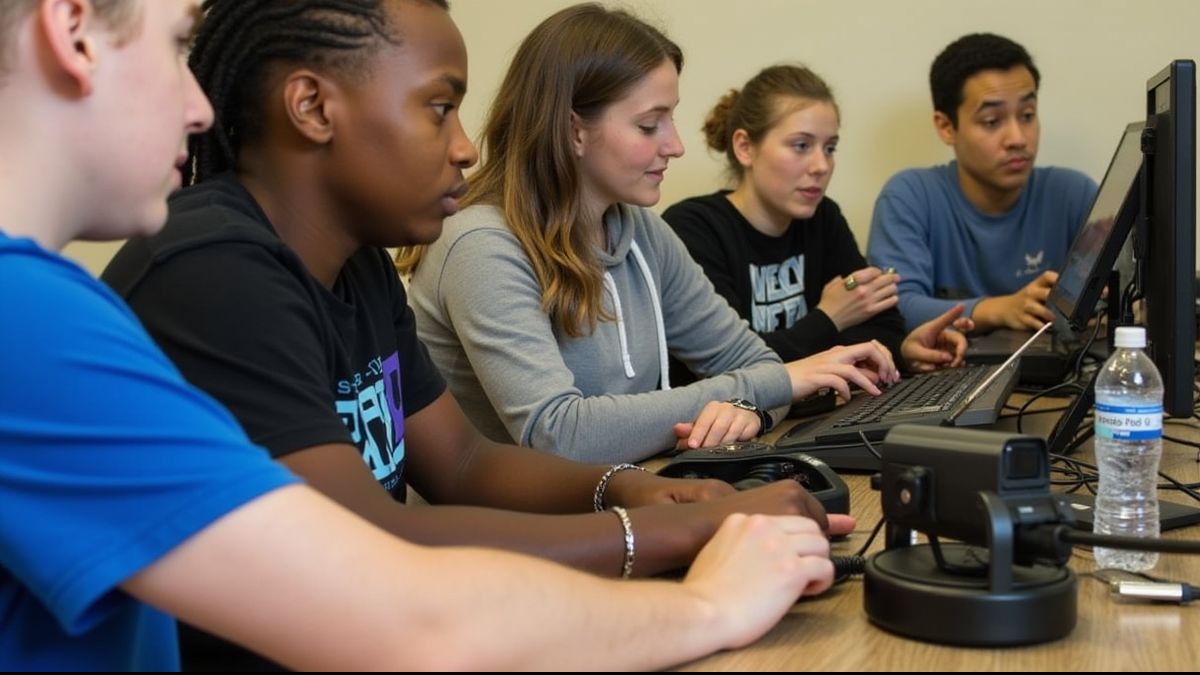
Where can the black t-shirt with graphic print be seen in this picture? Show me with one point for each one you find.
(298, 364)
(775, 283)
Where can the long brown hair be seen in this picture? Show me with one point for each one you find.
(580, 60)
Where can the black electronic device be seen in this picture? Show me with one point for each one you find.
(1168, 252)
(1007, 583)
(751, 464)
(1171, 514)
(1094, 251)
(969, 396)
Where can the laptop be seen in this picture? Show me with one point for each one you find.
(967, 396)
(1170, 514)
(1047, 362)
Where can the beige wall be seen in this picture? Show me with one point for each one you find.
(1095, 56)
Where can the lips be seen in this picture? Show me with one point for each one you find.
(450, 199)
(1017, 163)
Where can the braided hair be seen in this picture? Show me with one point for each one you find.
(238, 39)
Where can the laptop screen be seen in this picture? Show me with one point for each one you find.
(1099, 241)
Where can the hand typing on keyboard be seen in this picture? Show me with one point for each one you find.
(866, 364)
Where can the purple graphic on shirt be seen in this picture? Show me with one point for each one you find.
(395, 403)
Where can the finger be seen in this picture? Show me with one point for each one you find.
(818, 571)
(867, 275)
(841, 523)
(796, 524)
(701, 426)
(930, 355)
(829, 381)
(958, 344)
(717, 431)
(921, 367)
(853, 375)
(964, 325)
(683, 430)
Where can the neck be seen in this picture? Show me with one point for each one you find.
(987, 199)
(303, 214)
(761, 217)
(42, 197)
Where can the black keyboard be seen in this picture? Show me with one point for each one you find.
(930, 394)
(919, 399)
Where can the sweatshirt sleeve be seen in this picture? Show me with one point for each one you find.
(493, 300)
(899, 239)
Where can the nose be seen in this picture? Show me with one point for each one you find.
(463, 153)
(1014, 133)
(821, 164)
(197, 111)
(672, 145)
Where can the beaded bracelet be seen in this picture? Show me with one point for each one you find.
(602, 486)
(627, 564)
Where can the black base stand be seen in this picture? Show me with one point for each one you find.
(907, 592)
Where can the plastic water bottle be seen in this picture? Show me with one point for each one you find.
(1129, 394)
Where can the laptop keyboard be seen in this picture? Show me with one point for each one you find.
(936, 392)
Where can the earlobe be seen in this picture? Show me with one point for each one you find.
(309, 106)
(66, 28)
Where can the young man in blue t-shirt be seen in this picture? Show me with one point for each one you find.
(127, 496)
(987, 229)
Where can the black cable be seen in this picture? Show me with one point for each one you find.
(874, 533)
(1073, 536)
(870, 447)
(845, 566)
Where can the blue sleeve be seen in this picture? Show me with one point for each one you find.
(899, 238)
(108, 459)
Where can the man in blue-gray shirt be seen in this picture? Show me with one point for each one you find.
(987, 229)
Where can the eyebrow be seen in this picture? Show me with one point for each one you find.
(456, 83)
(809, 134)
(658, 109)
(1031, 96)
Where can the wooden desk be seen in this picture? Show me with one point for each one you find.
(832, 632)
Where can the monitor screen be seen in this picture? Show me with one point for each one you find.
(1168, 254)
(1096, 246)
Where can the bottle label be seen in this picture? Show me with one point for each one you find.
(1129, 422)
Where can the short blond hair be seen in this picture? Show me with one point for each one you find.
(120, 15)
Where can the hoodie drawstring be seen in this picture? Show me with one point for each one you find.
(660, 327)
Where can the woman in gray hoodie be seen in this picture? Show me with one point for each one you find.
(551, 303)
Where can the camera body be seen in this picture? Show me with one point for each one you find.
(931, 479)
(749, 464)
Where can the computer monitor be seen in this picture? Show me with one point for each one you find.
(1168, 255)
(1098, 243)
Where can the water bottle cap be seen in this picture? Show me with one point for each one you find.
(1133, 337)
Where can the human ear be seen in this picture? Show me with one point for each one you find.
(66, 27)
(743, 148)
(578, 134)
(945, 128)
(306, 98)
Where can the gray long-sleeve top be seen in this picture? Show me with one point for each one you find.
(594, 398)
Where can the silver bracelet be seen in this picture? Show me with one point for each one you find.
(602, 486)
(627, 564)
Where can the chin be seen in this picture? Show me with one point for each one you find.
(421, 232)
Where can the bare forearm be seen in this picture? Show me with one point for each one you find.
(336, 593)
(592, 542)
(596, 624)
(521, 479)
